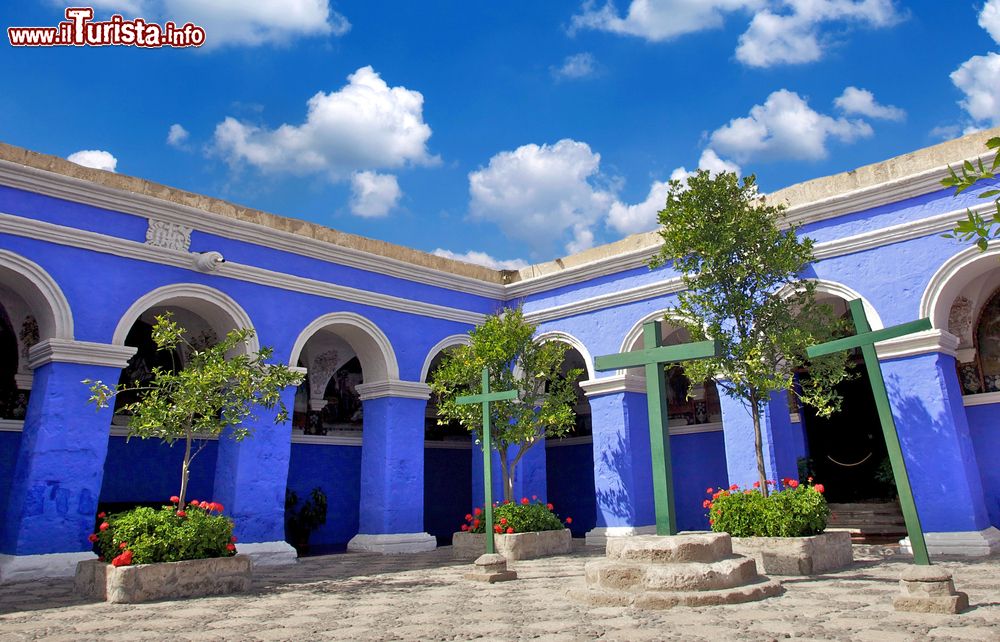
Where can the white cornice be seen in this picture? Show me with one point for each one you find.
(982, 399)
(918, 343)
(84, 352)
(80, 191)
(41, 230)
(617, 263)
(610, 300)
(692, 429)
(393, 388)
(613, 384)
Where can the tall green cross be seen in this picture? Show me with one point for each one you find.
(653, 358)
(485, 397)
(865, 339)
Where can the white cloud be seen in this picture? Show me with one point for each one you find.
(576, 66)
(373, 194)
(538, 194)
(796, 37)
(482, 258)
(979, 79)
(177, 136)
(989, 19)
(95, 158)
(945, 132)
(862, 102)
(658, 20)
(784, 127)
(363, 126)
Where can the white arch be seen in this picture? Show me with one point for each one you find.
(217, 308)
(378, 360)
(41, 292)
(447, 342)
(953, 275)
(565, 337)
(833, 288)
(635, 332)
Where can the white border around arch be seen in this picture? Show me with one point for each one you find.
(636, 330)
(60, 316)
(447, 342)
(168, 293)
(834, 288)
(949, 279)
(380, 367)
(576, 344)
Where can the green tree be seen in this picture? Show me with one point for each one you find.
(215, 391)
(743, 286)
(974, 226)
(505, 344)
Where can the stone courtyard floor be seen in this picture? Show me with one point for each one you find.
(371, 597)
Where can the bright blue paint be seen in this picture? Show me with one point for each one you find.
(9, 444)
(570, 471)
(60, 463)
(70, 214)
(447, 491)
(983, 423)
(148, 470)
(622, 465)
(699, 463)
(336, 470)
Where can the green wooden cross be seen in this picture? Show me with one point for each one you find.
(865, 339)
(485, 398)
(653, 358)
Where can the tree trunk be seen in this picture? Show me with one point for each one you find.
(185, 468)
(507, 474)
(758, 442)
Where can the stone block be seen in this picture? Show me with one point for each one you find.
(929, 589)
(491, 567)
(516, 546)
(821, 553)
(166, 581)
(692, 547)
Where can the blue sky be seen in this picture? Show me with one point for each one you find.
(519, 131)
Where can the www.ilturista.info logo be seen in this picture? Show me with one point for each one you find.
(80, 30)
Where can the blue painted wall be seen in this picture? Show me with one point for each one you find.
(699, 462)
(447, 491)
(9, 443)
(984, 426)
(570, 472)
(337, 470)
(148, 470)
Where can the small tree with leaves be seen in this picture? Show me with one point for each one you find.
(215, 391)
(743, 286)
(974, 226)
(504, 343)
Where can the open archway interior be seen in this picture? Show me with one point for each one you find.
(448, 454)
(974, 317)
(146, 472)
(327, 402)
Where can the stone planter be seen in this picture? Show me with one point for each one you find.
(798, 555)
(517, 546)
(166, 581)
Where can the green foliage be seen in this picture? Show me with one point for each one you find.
(792, 512)
(511, 517)
(742, 275)
(975, 226)
(217, 390)
(504, 345)
(165, 535)
(299, 522)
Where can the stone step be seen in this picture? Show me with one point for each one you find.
(688, 576)
(653, 549)
(760, 589)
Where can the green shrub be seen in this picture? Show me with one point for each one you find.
(796, 511)
(147, 536)
(509, 517)
(301, 521)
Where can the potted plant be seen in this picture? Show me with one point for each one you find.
(521, 531)
(300, 522)
(782, 530)
(187, 548)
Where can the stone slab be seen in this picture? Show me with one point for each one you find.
(516, 546)
(674, 549)
(811, 555)
(759, 590)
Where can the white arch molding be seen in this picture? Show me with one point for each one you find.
(48, 303)
(635, 332)
(447, 342)
(374, 350)
(217, 308)
(949, 280)
(841, 291)
(576, 344)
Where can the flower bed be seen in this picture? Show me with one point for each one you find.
(524, 530)
(167, 581)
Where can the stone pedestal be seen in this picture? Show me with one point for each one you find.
(516, 546)
(491, 568)
(650, 571)
(929, 589)
(830, 551)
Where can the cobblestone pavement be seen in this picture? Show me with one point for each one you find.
(372, 597)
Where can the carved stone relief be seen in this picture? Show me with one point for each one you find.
(168, 235)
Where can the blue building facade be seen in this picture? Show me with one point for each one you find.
(88, 258)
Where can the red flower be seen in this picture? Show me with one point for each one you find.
(503, 520)
(233, 539)
(819, 488)
(124, 559)
(569, 520)
(706, 504)
(534, 497)
(477, 511)
(92, 537)
(181, 513)
(524, 500)
(771, 481)
(230, 547)
(123, 546)
(709, 491)
(468, 517)
(102, 515)
(105, 526)
(793, 483)
(497, 528)
(174, 499)
(510, 529)
(734, 487)
(475, 523)
(748, 492)
(549, 506)
(465, 527)
(756, 484)
(809, 479)
(711, 521)
(218, 507)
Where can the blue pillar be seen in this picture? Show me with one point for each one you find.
(52, 505)
(250, 480)
(622, 465)
(392, 469)
(530, 478)
(781, 439)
